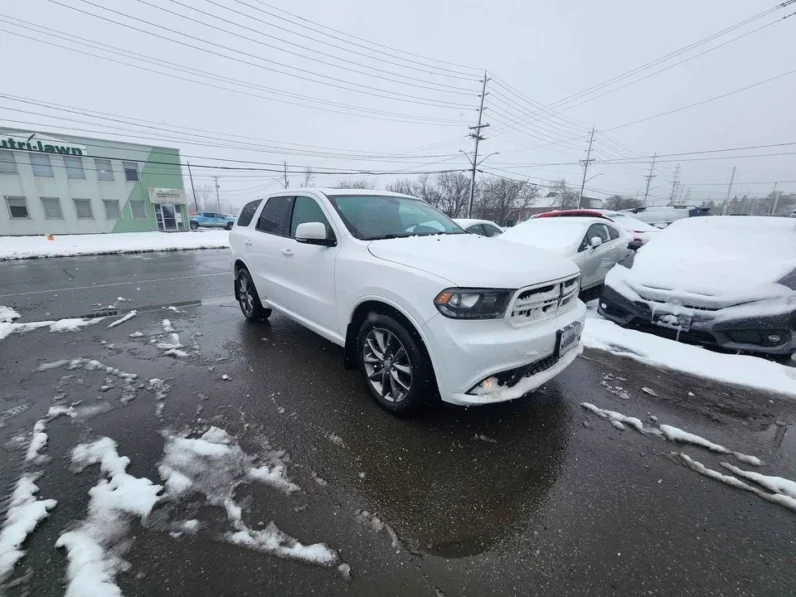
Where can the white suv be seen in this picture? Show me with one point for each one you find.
(417, 304)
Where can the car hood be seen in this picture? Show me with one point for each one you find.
(474, 261)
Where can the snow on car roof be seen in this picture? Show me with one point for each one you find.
(718, 255)
(553, 234)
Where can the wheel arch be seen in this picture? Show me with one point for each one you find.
(239, 265)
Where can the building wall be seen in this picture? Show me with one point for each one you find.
(157, 167)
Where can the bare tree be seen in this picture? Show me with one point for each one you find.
(405, 186)
(205, 197)
(309, 176)
(499, 198)
(360, 183)
(453, 189)
(618, 202)
(568, 198)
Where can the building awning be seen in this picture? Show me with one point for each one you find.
(168, 196)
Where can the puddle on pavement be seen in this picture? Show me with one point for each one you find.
(782, 436)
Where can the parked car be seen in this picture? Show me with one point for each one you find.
(793, 214)
(661, 217)
(418, 305)
(720, 281)
(640, 232)
(479, 227)
(211, 219)
(595, 244)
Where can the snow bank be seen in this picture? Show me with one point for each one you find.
(24, 513)
(601, 334)
(27, 247)
(94, 548)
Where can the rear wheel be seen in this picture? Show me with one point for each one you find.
(396, 369)
(248, 299)
(194, 225)
(228, 226)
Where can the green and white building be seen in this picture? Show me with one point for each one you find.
(61, 184)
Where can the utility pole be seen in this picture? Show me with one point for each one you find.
(286, 184)
(776, 200)
(476, 135)
(675, 185)
(585, 164)
(193, 190)
(218, 199)
(649, 178)
(729, 190)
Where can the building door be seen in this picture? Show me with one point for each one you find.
(166, 216)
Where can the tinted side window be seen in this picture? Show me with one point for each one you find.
(613, 233)
(307, 210)
(275, 217)
(598, 230)
(247, 213)
(491, 230)
(476, 229)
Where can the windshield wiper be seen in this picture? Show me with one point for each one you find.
(388, 236)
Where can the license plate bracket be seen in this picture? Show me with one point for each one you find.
(567, 337)
(673, 321)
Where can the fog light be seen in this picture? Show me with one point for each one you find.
(774, 338)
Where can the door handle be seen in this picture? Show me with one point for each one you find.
(247, 242)
(287, 252)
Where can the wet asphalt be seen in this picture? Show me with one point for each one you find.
(531, 497)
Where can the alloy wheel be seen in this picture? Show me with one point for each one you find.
(387, 365)
(245, 295)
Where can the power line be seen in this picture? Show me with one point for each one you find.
(417, 82)
(346, 85)
(359, 111)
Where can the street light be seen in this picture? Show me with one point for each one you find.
(595, 176)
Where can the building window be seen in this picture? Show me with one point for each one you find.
(83, 209)
(8, 165)
(104, 169)
(138, 209)
(111, 209)
(40, 162)
(74, 166)
(130, 171)
(52, 208)
(17, 208)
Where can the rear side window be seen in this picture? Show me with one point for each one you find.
(275, 217)
(490, 230)
(247, 213)
(476, 229)
(613, 232)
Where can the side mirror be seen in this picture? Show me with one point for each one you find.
(634, 245)
(314, 233)
(595, 241)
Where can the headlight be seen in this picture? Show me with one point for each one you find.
(473, 303)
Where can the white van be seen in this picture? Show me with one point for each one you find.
(661, 217)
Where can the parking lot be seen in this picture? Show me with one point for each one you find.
(535, 496)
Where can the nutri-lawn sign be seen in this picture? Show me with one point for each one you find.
(34, 142)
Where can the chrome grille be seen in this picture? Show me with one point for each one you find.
(544, 301)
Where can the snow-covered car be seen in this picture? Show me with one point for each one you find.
(211, 219)
(479, 227)
(419, 305)
(640, 232)
(661, 217)
(720, 281)
(595, 244)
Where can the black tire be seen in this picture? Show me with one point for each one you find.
(248, 298)
(407, 393)
(228, 226)
(194, 225)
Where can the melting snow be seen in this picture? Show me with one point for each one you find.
(678, 435)
(167, 327)
(773, 484)
(615, 417)
(24, 514)
(94, 548)
(37, 443)
(120, 321)
(7, 314)
(275, 542)
(72, 325)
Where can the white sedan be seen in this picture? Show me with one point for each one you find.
(638, 230)
(594, 244)
(479, 227)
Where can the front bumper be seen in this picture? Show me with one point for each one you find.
(465, 353)
(746, 332)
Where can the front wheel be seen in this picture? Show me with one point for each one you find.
(395, 368)
(194, 225)
(248, 299)
(228, 226)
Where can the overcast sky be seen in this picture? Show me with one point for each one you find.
(539, 53)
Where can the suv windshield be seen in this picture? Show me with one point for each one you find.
(374, 217)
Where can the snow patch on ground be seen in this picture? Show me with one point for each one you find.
(7, 314)
(167, 327)
(25, 512)
(273, 541)
(62, 325)
(773, 484)
(755, 372)
(120, 321)
(26, 247)
(678, 435)
(73, 325)
(37, 443)
(615, 417)
(94, 548)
